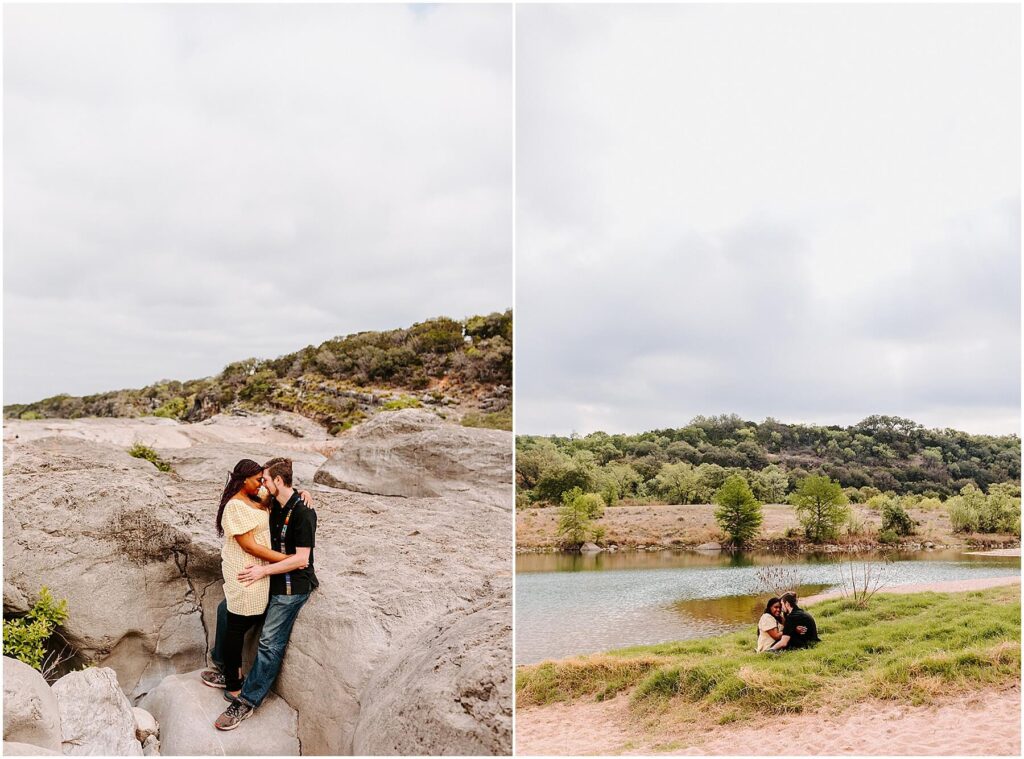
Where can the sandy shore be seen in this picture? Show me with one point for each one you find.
(997, 552)
(951, 586)
(985, 722)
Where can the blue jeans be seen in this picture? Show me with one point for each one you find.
(277, 629)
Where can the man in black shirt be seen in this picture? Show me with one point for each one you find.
(292, 531)
(799, 630)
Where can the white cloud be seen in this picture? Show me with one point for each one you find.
(807, 212)
(189, 185)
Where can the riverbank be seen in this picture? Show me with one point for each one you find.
(656, 527)
(908, 662)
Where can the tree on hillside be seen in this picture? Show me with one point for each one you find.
(575, 472)
(678, 483)
(770, 484)
(738, 512)
(576, 516)
(820, 506)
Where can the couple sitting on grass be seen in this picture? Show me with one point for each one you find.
(784, 626)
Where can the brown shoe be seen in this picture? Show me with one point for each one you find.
(213, 677)
(234, 715)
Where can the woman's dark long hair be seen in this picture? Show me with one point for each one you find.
(243, 470)
(768, 606)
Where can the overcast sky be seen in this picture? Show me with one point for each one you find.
(187, 186)
(806, 212)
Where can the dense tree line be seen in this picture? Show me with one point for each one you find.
(881, 454)
(319, 381)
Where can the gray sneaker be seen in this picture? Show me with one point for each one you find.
(234, 715)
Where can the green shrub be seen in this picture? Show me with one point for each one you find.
(173, 409)
(896, 519)
(997, 512)
(962, 516)
(31, 416)
(402, 401)
(497, 420)
(140, 451)
(888, 537)
(26, 638)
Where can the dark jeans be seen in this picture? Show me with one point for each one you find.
(217, 652)
(234, 638)
(277, 629)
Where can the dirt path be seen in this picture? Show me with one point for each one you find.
(985, 722)
(951, 586)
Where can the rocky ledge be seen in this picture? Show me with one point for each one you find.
(406, 646)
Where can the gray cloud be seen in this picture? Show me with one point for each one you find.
(191, 185)
(803, 212)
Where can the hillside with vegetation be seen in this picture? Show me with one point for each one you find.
(462, 366)
(895, 468)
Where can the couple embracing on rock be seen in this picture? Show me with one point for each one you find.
(269, 532)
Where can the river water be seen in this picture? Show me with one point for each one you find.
(568, 604)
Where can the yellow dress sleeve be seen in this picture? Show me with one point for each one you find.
(239, 519)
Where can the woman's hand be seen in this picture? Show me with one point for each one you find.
(306, 496)
(251, 574)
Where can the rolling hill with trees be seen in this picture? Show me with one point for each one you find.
(465, 365)
(688, 464)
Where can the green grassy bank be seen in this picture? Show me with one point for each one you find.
(914, 648)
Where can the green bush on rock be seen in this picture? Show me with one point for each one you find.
(26, 638)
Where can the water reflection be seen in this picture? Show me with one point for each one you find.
(570, 603)
(734, 609)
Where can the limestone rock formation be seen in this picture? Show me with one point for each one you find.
(406, 583)
(96, 526)
(414, 454)
(95, 716)
(412, 710)
(186, 710)
(31, 714)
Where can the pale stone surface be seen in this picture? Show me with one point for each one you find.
(410, 709)
(13, 748)
(95, 717)
(145, 724)
(92, 523)
(186, 710)
(414, 454)
(98, 528)
(31, 714)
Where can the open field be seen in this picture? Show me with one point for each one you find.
(677, 526)
(910, 659)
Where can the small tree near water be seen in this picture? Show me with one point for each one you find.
(820, 506)
(738, 512)
(576, 515)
